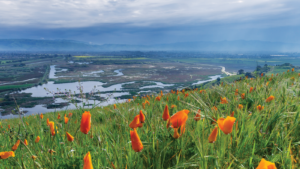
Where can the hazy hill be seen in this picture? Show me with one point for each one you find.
(69, 45)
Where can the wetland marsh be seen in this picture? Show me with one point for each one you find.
(106, 79)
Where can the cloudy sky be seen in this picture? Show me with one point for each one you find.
(151, 21)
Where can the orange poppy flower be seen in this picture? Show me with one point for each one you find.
(144, 105)
(232, 114)
(178, 119)
(9, 126)
(177, 92)
(182, 129)
(251, 88)
(6, 154)
(292, 78)
(176, 134)
(26, 142)
(198, 116)
(69, 137)
(142, 117)
(178, 98)
(264, 164)
(243, 95)
(173, 106)
(136, 122)
(293, 69)
(34, 157)
(186, 95)
(267, 84)
(15, 147)
(214, 108)
(166, 114)
(260, 108)
(136, 143)
(236, 92)
(226, 124)
(41, 116)
(66, 120)
(27, 123)
(224, 100)
(87, 161)
(161, 93)
(47, 121)
(115, 106)
(202, 91)
(288, 71)
(58, 117)
(270, 98)
(70, 115)
(262, 74)
(65, 115)
(167, 98)
(241, 106)
(213, 135)
(85, 125)
(158, 98)
(37, 139)
(52, 130)
(147, 102)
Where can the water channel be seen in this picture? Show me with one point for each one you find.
(63, 89)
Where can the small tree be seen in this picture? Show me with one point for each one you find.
(241, 71)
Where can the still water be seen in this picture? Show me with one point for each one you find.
(50, 90)
(211, 79)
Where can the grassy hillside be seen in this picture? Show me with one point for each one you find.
(272, 133)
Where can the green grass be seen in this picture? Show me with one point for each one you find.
(227, 79)
(83, 56)
(272, 133)
(9, 87)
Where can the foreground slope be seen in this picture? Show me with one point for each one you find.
(271, 132)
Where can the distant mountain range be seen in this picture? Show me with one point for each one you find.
(70, 45)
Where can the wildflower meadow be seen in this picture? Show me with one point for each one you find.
(250, 123)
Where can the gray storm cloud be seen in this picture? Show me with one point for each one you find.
(83, 13)
(151, 21)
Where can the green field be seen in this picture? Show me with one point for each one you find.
(79, 57)
(9, 87)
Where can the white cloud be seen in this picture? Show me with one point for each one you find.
(82, 13)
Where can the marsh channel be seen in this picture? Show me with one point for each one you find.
(87, 94)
